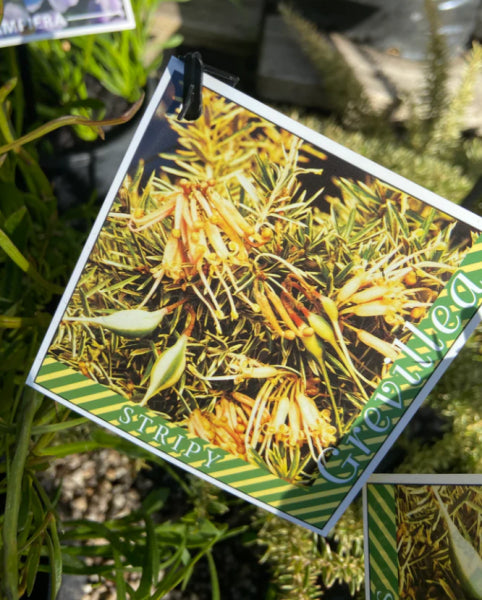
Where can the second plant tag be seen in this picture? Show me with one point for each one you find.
(423, 537)
(260, 305)
(26, 21)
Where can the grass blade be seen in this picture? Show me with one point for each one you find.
(9, 556)
(213, 574)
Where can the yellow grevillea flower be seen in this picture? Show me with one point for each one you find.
(225, 427)
(293, 418)
(207, 238)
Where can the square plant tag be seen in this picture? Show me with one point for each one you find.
(33, 20)
(423, 537)
(260, 305)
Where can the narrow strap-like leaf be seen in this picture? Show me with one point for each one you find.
(22, 263)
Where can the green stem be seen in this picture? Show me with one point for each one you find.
(336, 411)
(5, 129)
(18, 92)
(64, 121)
(13, 496)
(215, 591)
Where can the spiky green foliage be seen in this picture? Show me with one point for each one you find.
(433, 153)
(345, 95)
(458, 400)
(305, 565)
(448, 179)
(435, 119)
(435, 100)
(292, 554)
(445, 134)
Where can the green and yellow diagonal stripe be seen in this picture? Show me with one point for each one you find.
(311, 505)
(382, 540)
(145, 424)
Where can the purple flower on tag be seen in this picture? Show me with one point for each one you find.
(32, 5)
(14, 12)
(109, 8)
(62, 5)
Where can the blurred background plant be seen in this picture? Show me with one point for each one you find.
(94, 74)
(430, 146)
(89, 75)
(179, 533)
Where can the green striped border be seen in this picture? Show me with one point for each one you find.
(308, 505)
(381, 524)
(109, 407)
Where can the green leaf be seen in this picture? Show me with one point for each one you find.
(55, 560)
(7, 88)
(32, 564)
(69, 448)
(155, 500)
(14, 220)
(25, 510)
(15, 469)
(71, 564)
(68, 121)
(150, 571)
(119, 575)
(17, 257)
(55, 427)
(213, 574)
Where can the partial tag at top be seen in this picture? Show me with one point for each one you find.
(260, 305)
(33, 20)
(422, 536)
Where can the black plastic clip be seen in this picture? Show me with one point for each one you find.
(192, 101)
(225, 77)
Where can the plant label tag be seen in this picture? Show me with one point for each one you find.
(423, 536)
(27, 21)
(260, 305)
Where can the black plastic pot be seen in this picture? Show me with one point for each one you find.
(79, 173)
(88, 168)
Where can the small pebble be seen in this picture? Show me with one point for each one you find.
(98, 486)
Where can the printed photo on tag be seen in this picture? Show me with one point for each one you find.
(33, 20)
(261, 305)
(423, 537)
